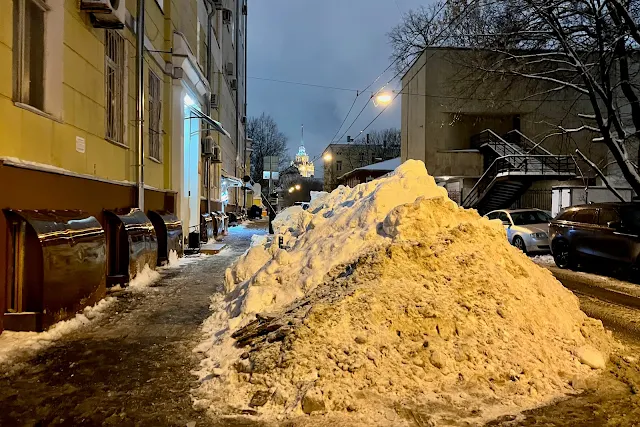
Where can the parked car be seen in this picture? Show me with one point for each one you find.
(303, 205)
(527, 229)
(606, 232)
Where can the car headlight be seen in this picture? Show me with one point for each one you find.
(540, 235)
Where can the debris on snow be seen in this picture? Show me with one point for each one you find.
(389, 295)
(13, 344)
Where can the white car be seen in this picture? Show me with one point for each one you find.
(527, 229)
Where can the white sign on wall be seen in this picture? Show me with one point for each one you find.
(80, 144)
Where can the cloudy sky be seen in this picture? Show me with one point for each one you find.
(339, 43)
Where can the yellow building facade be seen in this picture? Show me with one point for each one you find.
(68, 143)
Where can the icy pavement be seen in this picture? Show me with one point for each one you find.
(133, 365)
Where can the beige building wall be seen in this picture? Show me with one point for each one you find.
(445, 101)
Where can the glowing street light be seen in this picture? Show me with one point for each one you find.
(382, 99)
(291, 189)
(298, 186)
(327, 157)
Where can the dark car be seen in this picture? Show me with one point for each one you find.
(606, 232)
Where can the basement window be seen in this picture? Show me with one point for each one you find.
(29, 51)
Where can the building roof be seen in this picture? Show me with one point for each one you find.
(385, 166)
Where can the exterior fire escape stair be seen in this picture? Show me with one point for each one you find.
(516, 162)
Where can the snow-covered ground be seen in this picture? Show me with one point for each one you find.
(590, 278)
(14, 344)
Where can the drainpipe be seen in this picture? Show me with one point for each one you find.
(238, 11)
(140, 102)
(246, 38)
(207, 161)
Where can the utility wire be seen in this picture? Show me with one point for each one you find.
(404, 51)
(402, 70)
(303, 84)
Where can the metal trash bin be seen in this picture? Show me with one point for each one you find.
(57, 260)
(206, 227)
(225, 222)
(218, 229)
(169, 234)
(131, 244)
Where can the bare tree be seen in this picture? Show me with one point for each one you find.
(376, 146)
(588, 47)
(267, 141)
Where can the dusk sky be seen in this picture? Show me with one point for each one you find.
(334, 43)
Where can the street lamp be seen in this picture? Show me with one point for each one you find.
(298, 186)
(382, 99)
(291, 189)
(327, 157)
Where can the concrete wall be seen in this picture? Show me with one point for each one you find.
(445, 100)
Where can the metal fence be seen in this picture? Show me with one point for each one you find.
(456, 196)
(540, 199)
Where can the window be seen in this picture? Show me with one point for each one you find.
(607, 215)
(339, 165)
(502, 216)
(631, 220)
(155, 111)
(28, 51)
(114, 86)
(586, 216)
(493, 215)
(566, 215)
(530, 217)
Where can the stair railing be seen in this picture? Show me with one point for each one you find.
(522, 163)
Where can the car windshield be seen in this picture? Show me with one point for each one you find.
(529, 217)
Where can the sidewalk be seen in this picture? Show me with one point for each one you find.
(133, 367)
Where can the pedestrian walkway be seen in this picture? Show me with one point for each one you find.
(133, 367)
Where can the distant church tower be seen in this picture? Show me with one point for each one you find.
(305, 167)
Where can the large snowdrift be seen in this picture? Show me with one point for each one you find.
(390, 302)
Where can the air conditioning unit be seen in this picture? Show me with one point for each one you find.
(105, 13)
(234, 84)
(214, 100)
(178, 73)
(218, 4)
(229, 68)
(227, 16)
(216, 157)
(211, 149)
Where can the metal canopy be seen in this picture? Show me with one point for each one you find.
(216, 125)
(71, 266)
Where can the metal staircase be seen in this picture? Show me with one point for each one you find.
(512, 163)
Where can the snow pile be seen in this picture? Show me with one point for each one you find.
(13, 344)
(144, 278)
(393, 303)
(336, 229)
